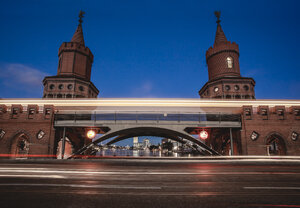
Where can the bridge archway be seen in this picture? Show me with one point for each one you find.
(125, 133)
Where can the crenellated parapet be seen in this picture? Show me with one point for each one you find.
(224, 47)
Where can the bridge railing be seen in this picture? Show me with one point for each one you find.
(118, 116)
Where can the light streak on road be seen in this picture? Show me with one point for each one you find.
(274, 188)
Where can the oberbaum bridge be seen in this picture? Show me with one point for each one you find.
(227, 120)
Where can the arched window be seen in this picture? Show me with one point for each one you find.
(229, 62)
(20, 146)
(275, 145)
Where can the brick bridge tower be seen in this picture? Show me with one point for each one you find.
(74, 70)
(225, 80)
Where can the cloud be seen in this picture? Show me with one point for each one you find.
(21, 75)
(143, 90)
(19, 78)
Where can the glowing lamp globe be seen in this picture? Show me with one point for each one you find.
(91, 134)
(203, 134)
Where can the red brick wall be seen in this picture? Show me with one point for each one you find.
(216, 60)
(75, 59)
(30, 125)
(265, 125)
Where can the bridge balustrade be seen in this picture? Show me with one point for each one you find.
(145, 117)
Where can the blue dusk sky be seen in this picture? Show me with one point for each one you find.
(150, 48)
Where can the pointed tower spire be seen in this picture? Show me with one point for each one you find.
(73, 79)
(220, 36)
(225, 80)
(78, 35)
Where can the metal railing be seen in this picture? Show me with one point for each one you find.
(147, 116)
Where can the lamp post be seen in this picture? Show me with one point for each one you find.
(203, 134)
(91, 134)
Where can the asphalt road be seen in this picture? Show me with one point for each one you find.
(149, 183)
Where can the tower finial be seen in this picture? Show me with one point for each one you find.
(81, 13)
(218, 15)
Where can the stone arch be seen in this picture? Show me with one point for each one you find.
(275, 144)
(150, 131)
(20, 145)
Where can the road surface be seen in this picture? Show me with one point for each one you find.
(150, 183)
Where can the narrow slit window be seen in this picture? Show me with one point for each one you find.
(229, 62)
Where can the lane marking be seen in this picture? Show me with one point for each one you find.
(33, 176)
(85, 186)
(154, 193)
(274, 188)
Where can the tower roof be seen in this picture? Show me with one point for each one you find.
(78, 35)
(220, 36)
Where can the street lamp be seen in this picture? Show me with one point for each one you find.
(91, 134)
(203, 134)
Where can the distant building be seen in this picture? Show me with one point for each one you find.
(146, 143)
(135, 142)
(175, 145)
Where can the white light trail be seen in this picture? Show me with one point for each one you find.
(151, 102)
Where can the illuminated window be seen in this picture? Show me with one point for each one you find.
(229, 62)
